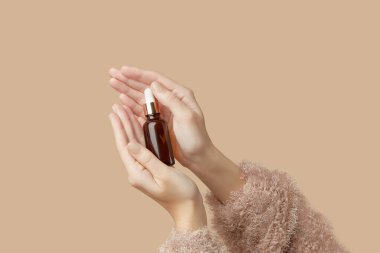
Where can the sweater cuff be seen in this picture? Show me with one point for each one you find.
(199, 240)
(262, 215)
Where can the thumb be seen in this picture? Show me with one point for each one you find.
(169, 99)
(147, 159)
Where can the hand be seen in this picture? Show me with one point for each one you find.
(178, 106)
(191, 143)
(168, 186)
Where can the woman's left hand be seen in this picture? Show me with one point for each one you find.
(168, 186)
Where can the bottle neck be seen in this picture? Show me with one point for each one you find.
(151, 108)
(153, 116)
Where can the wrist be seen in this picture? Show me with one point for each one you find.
(212, 161)
(205, 160)
(219, 173)
(190, 216)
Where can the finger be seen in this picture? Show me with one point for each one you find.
(184, 94)
(120, 111)
(115, 73)
(137, 128)
(148, 76)
(136, 85)
(141, 178)
(166, 113)
(138, 176)
(117, 85)
(141, 120)
(169, 83)
(121, 143)
(169, 99)
(143, 76)
(118, 130)
(121, 87)
(136, 108)
(147, 159)
(139, 86)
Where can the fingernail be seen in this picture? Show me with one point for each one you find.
(112, 71)
(134, 148)
(157, 86)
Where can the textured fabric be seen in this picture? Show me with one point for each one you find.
(260, 217)
(268, 214)
(191, 242)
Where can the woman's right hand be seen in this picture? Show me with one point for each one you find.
(191, 143)
(168, 186)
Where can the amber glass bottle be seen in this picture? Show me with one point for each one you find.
(156, 133)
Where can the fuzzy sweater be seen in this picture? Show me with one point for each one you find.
(268, 214)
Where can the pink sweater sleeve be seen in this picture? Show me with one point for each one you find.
(197, 241)
(269, 214)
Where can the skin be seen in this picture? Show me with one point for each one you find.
(192, 145)
(168, 186)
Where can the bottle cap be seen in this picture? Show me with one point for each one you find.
(151, 106)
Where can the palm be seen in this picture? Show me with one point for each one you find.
(162, 184)
(131, 83)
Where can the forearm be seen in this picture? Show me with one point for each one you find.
(218, 173)
(190, 233)
(189, 216)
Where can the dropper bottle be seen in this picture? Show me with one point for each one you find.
(156, 133)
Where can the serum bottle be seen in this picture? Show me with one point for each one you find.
(156, 133)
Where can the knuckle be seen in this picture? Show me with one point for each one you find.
(146, 158)
(189, 115)
(189, 91)
(170, 96)
(133, 181)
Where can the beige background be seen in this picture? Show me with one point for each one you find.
(292, 86)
